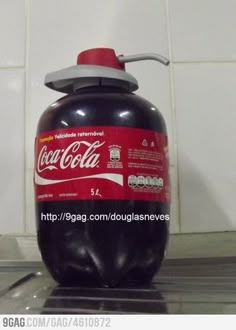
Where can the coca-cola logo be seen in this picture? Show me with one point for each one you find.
(69, 157)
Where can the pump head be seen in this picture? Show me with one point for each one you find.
(98, 67)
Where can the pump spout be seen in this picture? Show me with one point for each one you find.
(143, 57)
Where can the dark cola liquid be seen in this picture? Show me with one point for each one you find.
(106, 253)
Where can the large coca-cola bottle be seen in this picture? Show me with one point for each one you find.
(101, 175)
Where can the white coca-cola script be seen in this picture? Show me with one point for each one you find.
(70, 157)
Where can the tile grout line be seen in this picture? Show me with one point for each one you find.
(173, 113)
(212, 62)
(223, 62)
(13, 67)
(195, 234)
(27, 31)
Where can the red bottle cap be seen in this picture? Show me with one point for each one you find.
(100, 56)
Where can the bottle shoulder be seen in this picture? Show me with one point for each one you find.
(101, 109)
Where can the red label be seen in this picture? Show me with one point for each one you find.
(101, 163)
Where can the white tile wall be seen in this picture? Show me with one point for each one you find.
(197, 96)
(29, 203)
(12, 151)
(174, 213)
(203, 30)
(12, 33)
(206, 134)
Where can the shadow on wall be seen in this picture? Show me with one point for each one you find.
(200, 208)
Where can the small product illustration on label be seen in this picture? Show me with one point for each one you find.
(99, 162)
